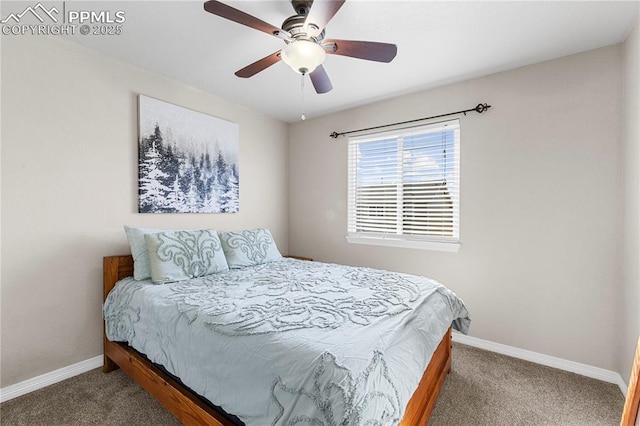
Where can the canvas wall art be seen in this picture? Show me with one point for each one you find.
(187, 160)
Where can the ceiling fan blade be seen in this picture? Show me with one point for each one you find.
(260, 65)
(369, 50)
(321, 13)
(320, 80)
(235, 15)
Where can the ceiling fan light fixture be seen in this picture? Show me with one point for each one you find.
(303, 56)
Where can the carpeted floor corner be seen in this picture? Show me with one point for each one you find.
(92, 398)
(483, 388)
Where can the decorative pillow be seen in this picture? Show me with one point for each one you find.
(248, 248)
(180, 255)
(141, 268)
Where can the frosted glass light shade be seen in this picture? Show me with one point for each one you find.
(303, 56)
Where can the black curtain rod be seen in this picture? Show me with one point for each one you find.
(480, 108)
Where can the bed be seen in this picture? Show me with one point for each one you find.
(189, 400)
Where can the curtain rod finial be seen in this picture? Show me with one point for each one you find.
(480, 108)
(334, 135)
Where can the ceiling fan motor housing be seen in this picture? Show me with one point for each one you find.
(294, 25)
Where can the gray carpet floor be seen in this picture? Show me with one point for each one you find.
(483, 388)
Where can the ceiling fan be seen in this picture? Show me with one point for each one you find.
(306, 48)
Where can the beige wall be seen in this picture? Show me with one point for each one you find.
(69, 184)
(630, 290)
(539, 266)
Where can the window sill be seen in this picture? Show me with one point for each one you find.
(398, 242)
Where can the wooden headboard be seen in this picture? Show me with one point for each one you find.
(115, 268)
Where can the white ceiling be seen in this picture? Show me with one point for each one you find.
(438, 42)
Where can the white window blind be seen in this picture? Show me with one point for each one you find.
(405, 184)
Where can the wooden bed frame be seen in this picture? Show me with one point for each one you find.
(191, 409)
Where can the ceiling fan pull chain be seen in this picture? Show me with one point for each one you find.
(302, 116)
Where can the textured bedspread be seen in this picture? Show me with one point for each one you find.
(291, 342)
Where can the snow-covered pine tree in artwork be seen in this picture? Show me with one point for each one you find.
(153, 192)
(227, 185)
(182, 170)
(233, 189)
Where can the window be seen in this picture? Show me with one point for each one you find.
(404, 187)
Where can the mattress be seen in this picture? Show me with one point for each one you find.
(290, 341)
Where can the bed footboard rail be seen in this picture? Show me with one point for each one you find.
(425, 397)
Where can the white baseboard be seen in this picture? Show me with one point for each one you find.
(609, 376)
(50, 378)
(550, 361)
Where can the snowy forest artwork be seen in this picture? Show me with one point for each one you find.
(187, 161)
